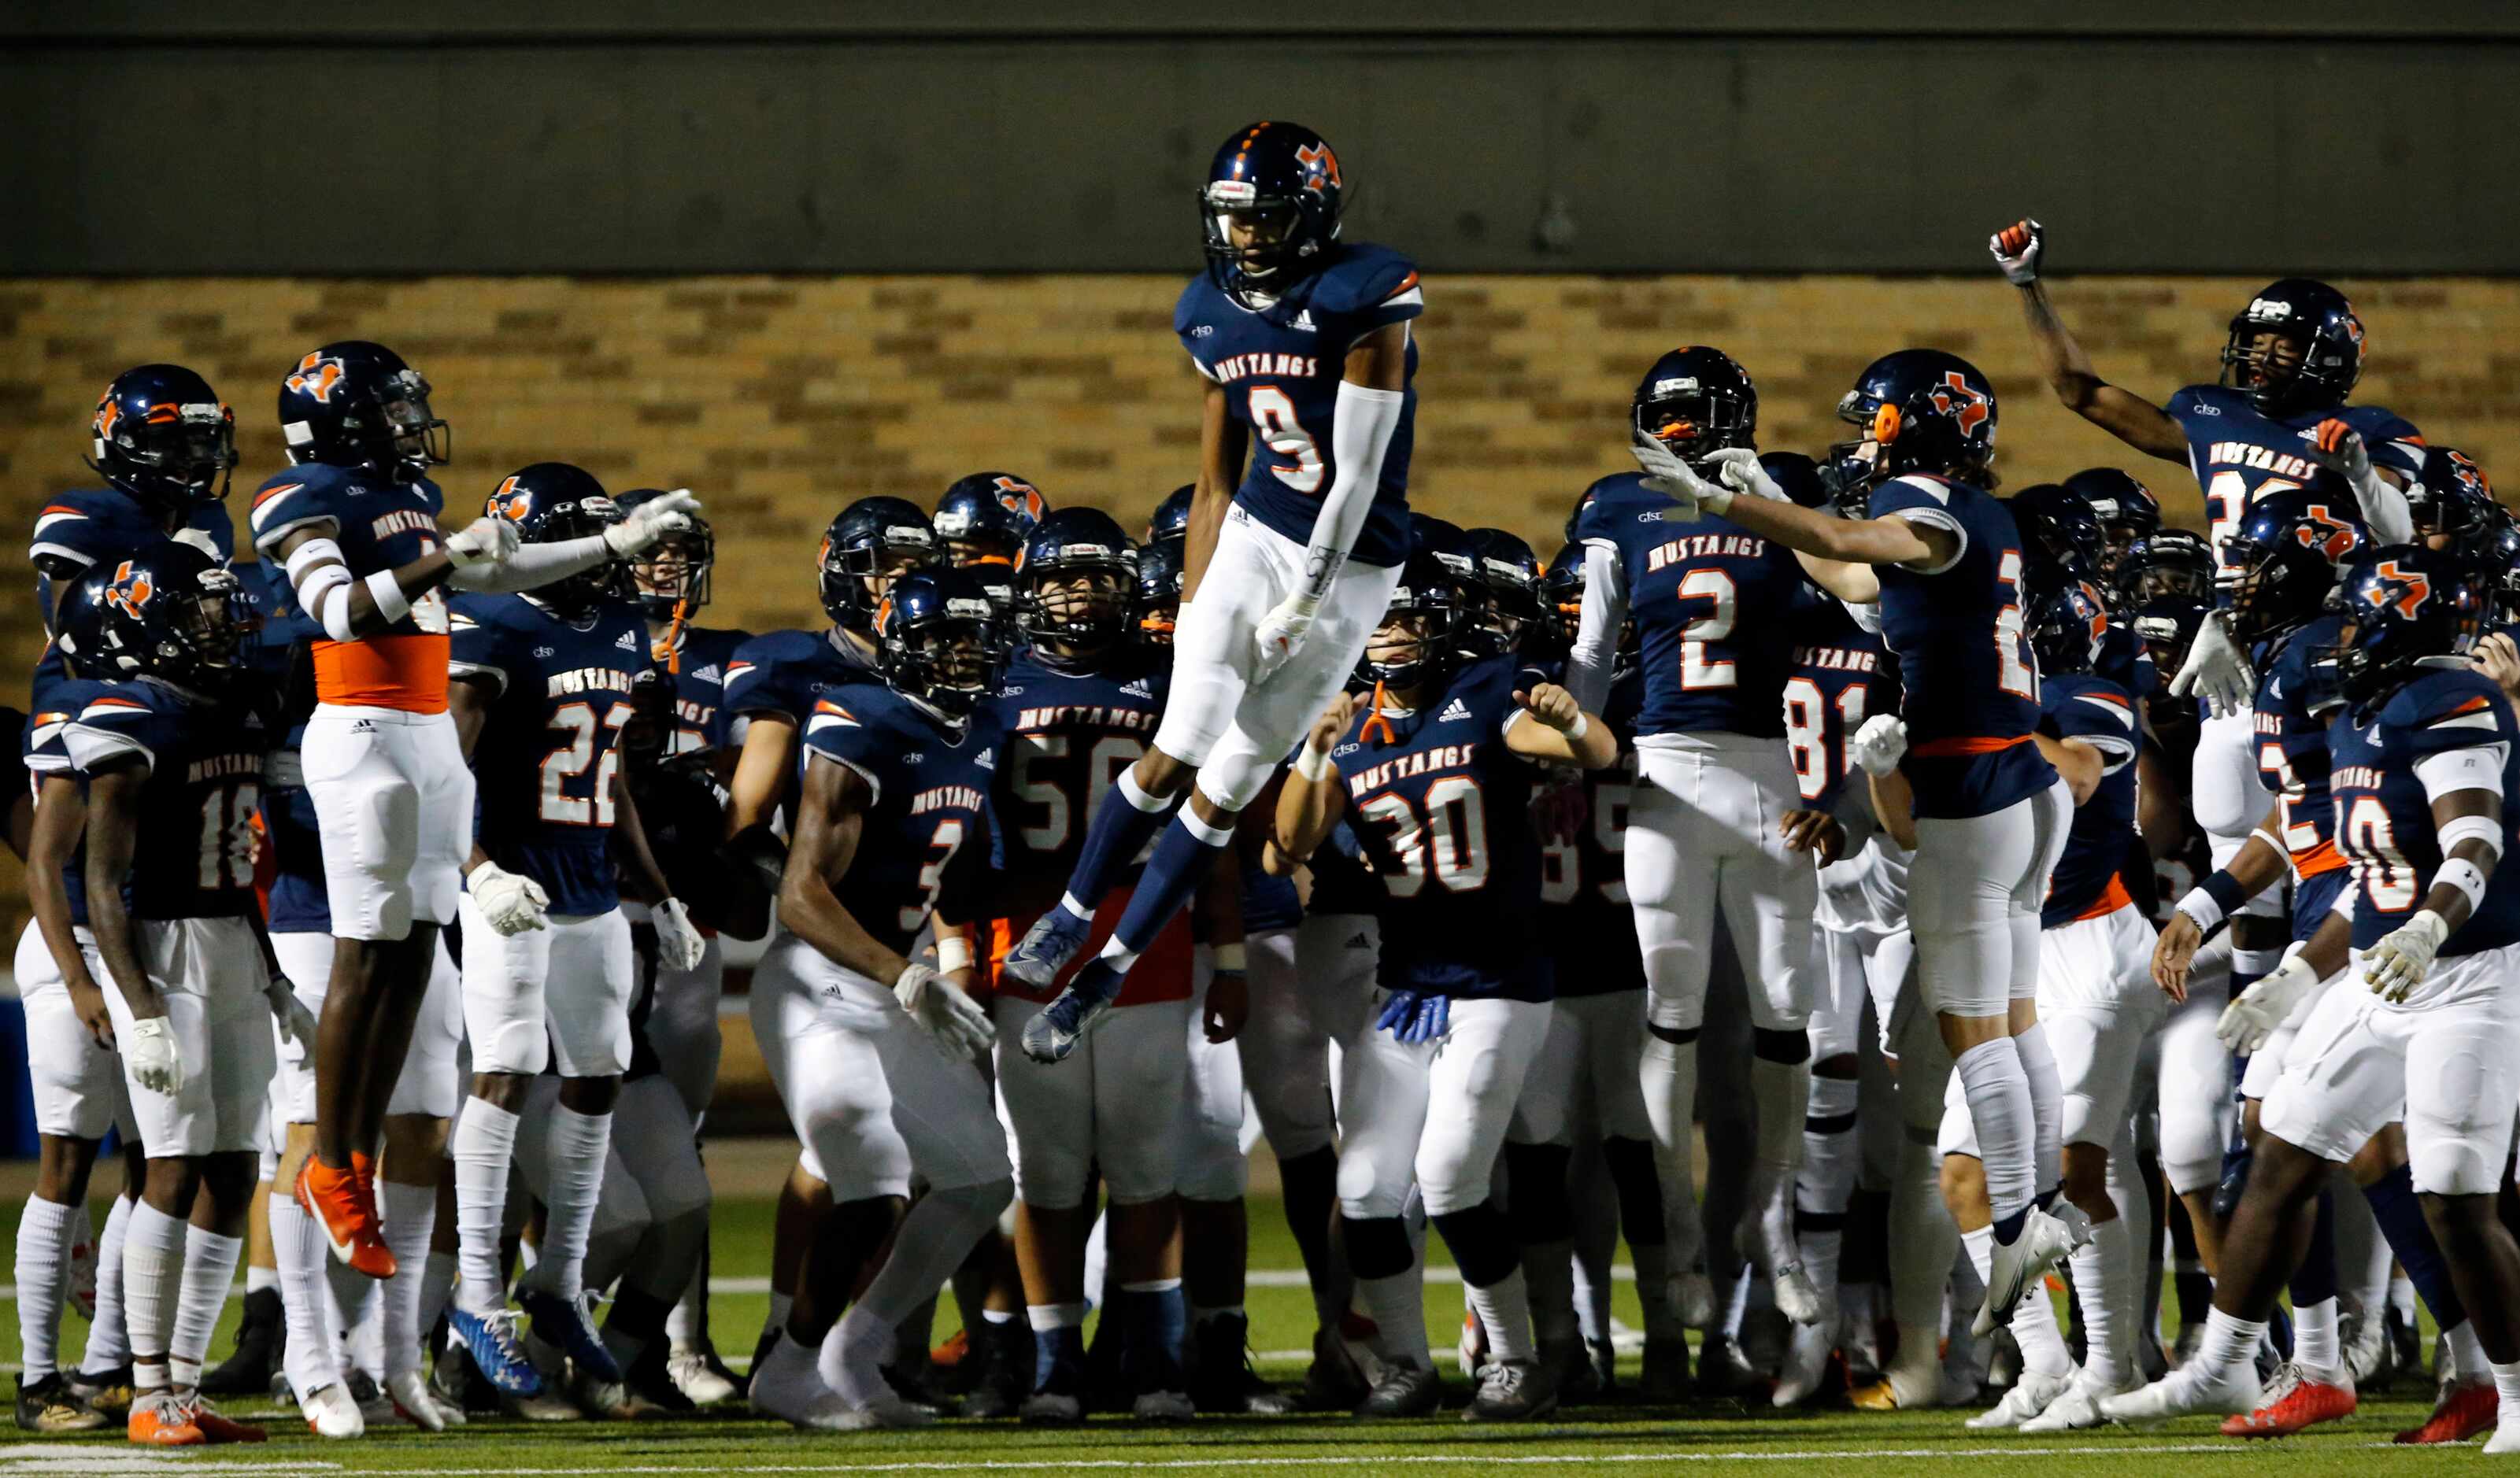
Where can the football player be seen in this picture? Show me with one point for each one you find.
(173, 754)
(1435, 768)
(1506, 580)
(2127, 509)
(1300, 569)
(354, 522)
(2421, 765)
(983, 521)
(874, 1052)
(542, 689)
(1714, 785)
(1170, 522)
(1943, 563)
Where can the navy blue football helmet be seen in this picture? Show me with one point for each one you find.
(1069, 545)
(1697, 401)
(985, 517)
(1505, 576)
(1157, 603)
(1446, 541)
(1561, 593)
(2066, 626)
(78, 625)
(2167, 625)
(1172, 516)
(1435, 598)
(2126, 508)
(2172, 561)
(939, 640)
(2500, 566)
(2404, 607)
(872, 540)
(553, 502)
(2451, 501)
(162, 435)
(1280, 184)
(171, 611)
(357, 404)
(2060, 538)
(1921, 411)
(673, 575)
(2325, 337)
(2285, 554)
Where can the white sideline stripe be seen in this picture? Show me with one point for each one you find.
(1257, 1278)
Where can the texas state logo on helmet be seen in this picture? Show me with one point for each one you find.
(2451, 499)
(2402, 604)
(2325, 336)
(1922, 411)
(162, 435)
(987, 515)
(357, 404)
(170, 611)
(1278, 185)
(553, 502)
(2067, 626)
(2284, 558)
(1698, 401)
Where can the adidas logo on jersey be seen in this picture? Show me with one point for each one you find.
(1303, 323)
(627, 642)
(1139, 689)
(708, 674)
(988, 759)
(1360, 942)
(1454, 711)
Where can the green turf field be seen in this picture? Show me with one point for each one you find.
(1626, 1439)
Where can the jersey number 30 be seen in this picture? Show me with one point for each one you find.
(1451, 840)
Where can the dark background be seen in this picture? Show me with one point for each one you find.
(527, 136)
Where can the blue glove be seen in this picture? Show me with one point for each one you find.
(1413, 1017)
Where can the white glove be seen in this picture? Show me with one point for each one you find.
(2217, 669)
(1878, 745)
(1738, 467)
(483, 541)
(1667, 474)
(2255, 1013)
(156, 1064)
(295, 1023)
(678, 944)
(655, 519)
(1283, 630)
(2016, 249)
(954, 1019)
(511, 904)
(2397, 963)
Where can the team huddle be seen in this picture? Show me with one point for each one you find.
(2059, 893)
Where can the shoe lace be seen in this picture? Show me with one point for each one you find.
(2287, 1379)
(1500, 1381)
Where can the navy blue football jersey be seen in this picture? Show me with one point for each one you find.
(41, 751)
(1443, 813)
(194, 856)
(1842, 675)
(1071, 734)
(928, 821)
(1583, 884)
(2088, 881)
(75, 531)
(1281, 368)
(697, 663)
(545, 763)
(2240, 455)
(2384, 822)
(785, 672)
(1343, 881)
(379, 525)
(1972, 685)
(2291, 719)
(1270, 905)
(1706, 597)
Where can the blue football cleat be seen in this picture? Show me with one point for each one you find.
(567, 1319)
(1055, 938)
(491, 1340)
(1055, 1029)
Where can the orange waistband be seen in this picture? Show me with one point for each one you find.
(2112, 898)
(1945, 748)
(405, 672)
(2313, 860)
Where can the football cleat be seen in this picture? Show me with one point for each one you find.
(2018, 1265)
(1693, 1298)
(1404, 1390)
(701, 1376)
(1724, 1371)
(216, 1428)
(1662, 1378)
(50, 1407)
(1221, 1377)
(2298, 1398)
(2464, 1408)
(999, 1363)
(1336, 1380)
(1056, 938)
(109, 1391)
(1570, 1369)
(2186, 1392)
(330, 1412)
(259, 1337)
(409, 1392)
(1055, 1030)
(2025, 1399)
(566, 1322)
(158, 1420)
(1513, 1390)
(497, 1353)
(2078, 1408)
(342, 1204)
(1809, 1362)
(1163, 1406)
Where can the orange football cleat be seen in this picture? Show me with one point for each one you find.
(2465, 1408)
(342, 1203)
(216, 1428)
(950, 1354)
(2294, 1405)
(158, 1420)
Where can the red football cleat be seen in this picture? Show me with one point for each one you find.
(342, 1204)
(2295, 1399)
(158, 1420)
(2465, 1408)
(217, 1428)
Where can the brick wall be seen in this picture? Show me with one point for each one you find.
(780, 399)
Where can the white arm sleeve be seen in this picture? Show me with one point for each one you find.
(532, 567)
(323, 585)
(1596, 638)
(1868, 616)
(2478, 766)
(1361, 435)
(2384, 510)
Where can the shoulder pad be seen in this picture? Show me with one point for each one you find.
(300, 496)
(1364, 278)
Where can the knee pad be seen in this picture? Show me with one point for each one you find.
(523, 1048)
(1538, 1207)
(1232, 776)
(1789, 1045)
(1377, 1246)
(1480, 1245)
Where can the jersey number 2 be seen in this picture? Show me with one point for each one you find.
(569, 761)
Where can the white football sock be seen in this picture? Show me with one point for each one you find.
(411, 1217)
(2466, 1351)
(1921, 1252)
(1668, 1072)
(483, 1143)
(153, 1274)
(108, 1341)
(1782, 1094)
(43, 1279)
(2104, 1276)
(210, 1269)
(940, 1230)
(298, 1246)
(258, 1278)
(2047, 1107)
(579, 1143)
(2314, 1335)
(683, 1321)
(1504, 1307)
(1999, 1103)
(1397, 1305)
(2230, 1343)
(436, 1288)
